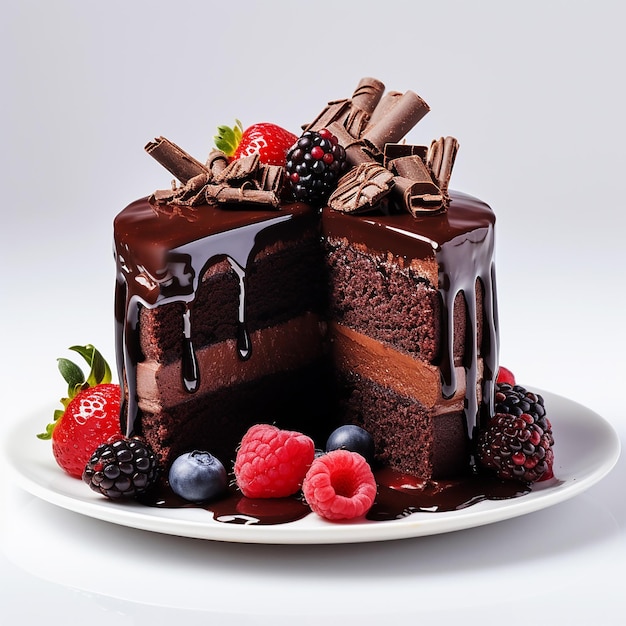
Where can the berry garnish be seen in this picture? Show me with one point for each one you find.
(270, 141)
(505, 376)
(197, 476)
(91, 413)
(340, 485)
(272, 463)
(354, 438)
(517, 442)
(121, 468)
(314, 165)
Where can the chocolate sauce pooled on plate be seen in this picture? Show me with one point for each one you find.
(398, 495)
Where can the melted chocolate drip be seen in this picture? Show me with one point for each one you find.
(398, 496)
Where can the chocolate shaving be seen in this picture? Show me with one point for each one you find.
(242, 181)
(216, 162)
(440, 160)
(239, 170)
(361, 188)
(407, 111)
(248, 193)
(334, 111)
(397, 150)
(367, 94)
(174, 159)
(415, 186)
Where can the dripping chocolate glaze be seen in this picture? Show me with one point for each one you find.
(161, 258)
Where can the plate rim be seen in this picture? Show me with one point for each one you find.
(197, 523)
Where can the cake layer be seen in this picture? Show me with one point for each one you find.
(285, 347)
(409, 377)
(408, 437)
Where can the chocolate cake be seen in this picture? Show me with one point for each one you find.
(236, 305)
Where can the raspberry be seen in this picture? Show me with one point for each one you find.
(340, 485)
(121, 468)
(272, 463)
(517, 442)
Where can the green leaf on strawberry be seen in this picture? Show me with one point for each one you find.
(99, 373)
(228, 138)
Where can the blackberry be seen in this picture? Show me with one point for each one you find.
(515, 400)
(517, 442)
(122, 468)
(314, 165)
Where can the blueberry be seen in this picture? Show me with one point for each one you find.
(197, 476)
(353, 438)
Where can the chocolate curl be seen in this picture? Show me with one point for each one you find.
(385, 105)
(357, 151)
(216, 162)
(248, 193)
(407, 111)
(246, 181)
(190, 194)
(415, 186)
(239, 170)
(441, 156)
(334, 111)
(271, 178)
(367, 94)
(398, 150)
(174, 159)
(361, 189)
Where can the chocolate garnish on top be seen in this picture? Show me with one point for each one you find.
(220, 182)
(369, 126)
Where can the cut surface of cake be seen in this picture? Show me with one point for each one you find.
(413, 330)
(237, 304)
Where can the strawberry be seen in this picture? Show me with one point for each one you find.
(270, 141)
(91, 413)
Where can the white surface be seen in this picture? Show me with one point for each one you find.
(535, 93)
(588, 449)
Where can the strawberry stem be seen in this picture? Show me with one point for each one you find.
(227, 138)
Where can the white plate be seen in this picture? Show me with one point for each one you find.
(586, 449)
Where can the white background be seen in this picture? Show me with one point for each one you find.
(534, 91)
